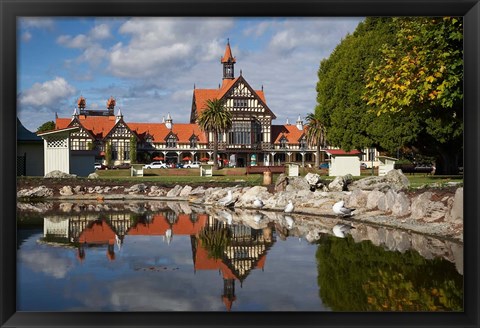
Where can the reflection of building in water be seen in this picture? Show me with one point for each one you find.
(245, 251)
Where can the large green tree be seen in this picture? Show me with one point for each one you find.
(341, 84)
(422, 76)
(47, 126)
(217, 119)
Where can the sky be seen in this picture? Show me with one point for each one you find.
(151, 65)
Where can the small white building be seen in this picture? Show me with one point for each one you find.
(59, 156)
(386, 164)
(343, 163)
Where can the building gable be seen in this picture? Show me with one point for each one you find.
(120, 131)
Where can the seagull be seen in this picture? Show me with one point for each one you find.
(289, 208)
(227, 200)
(340, 230)
(258, 203)
(340, 209)
(289, 221)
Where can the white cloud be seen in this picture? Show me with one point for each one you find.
(166, 46)
(47, 263)
(47, 93)
(100, 32)
(80, 41)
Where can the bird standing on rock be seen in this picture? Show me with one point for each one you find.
(340, 209)
(227, 200)
(289, 207)
(258, 203)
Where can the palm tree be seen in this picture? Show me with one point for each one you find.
(216, 119)
(316, 134)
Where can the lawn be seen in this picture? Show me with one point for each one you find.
(232, 175)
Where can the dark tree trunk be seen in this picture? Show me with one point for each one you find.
(215, 150)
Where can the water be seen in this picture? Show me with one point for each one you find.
(172, 257)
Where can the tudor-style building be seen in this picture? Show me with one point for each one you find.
(252, 139)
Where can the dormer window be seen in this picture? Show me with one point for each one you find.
(303, 143)
(148, 139)
(172, 141)
(240, 102)
(193, 142)
(283, 142)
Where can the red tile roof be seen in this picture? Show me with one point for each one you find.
(202, 95)
(228, 57)
(100, 126)
(290, 131)
(341, 152)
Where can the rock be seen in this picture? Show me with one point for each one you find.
(455, 212)
(37, 192)
(156, 191)
(282, 182)
(175, 191)
(59, 174)
(394, 179)
(66, 191)
(401, 205)
(357, 199)
(79, 190)
(374, 197)
(141, 187)
(185, 191)
(93, 176)
(423, 208)
(340, 183)
(297, 183)
(248, 196)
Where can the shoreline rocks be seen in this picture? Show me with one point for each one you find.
(384, 201)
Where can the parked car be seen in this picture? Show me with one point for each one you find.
(155, 165)
(179, 166)
(193, 165)
(324, 166)
(99, 166)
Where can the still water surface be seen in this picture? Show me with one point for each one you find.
(177, 259)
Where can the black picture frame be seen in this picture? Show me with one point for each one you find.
(10, 10)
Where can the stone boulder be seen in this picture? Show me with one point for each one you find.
(137, 188)
(175, 191)
(281, 183)
(93, 176)
(394, 179)
(59, 174)
(185, 191)
(296, 184)
(455, 212)
(66, 191)
(340, 183)
(37, 192)
(426, 209)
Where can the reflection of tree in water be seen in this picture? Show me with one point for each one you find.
(363, 277)
(215, 239)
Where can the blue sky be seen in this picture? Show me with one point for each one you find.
(150, 65)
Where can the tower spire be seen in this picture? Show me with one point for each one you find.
(228, 62)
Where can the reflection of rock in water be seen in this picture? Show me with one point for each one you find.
(305, 226)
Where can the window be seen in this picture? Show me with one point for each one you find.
(240, 102)
(172, 142)
(303, 143)
(79, 144)
(245, 133)
(283, 142)
(193, 142)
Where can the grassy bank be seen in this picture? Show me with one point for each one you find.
(229, 176)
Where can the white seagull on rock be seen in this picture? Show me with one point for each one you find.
(258, 203)
(257, 217)
(227, 200)
(340, 209)
(289, 207)
(340, 230)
